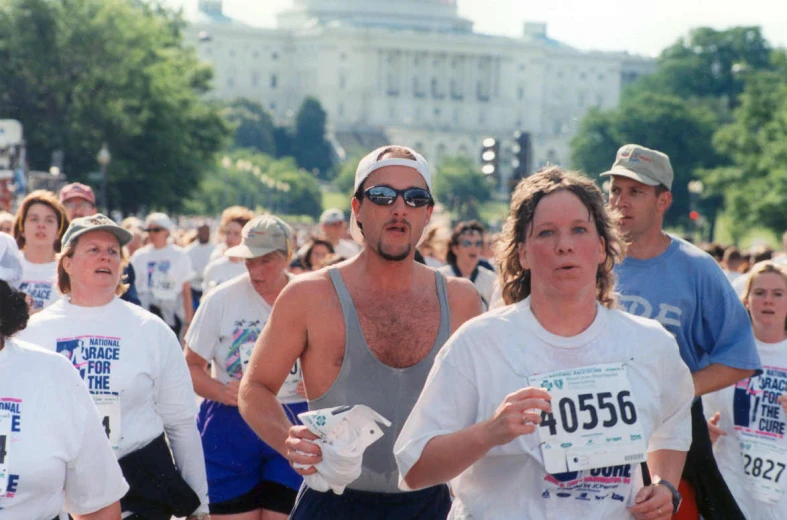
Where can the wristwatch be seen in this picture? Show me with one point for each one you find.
(676, 498)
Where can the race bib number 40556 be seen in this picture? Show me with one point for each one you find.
(594, 421)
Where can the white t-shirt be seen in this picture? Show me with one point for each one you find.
(55, 454)
(485, 281)
(225, 329)
(127, 355)
(161, 274)
(749, 412)
(200, 256)
(219, 271)
(40, 282)
(494, 355)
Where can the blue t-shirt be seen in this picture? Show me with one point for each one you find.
(686, 291)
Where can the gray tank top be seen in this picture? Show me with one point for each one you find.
(391, 392)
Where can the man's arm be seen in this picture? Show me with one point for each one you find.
(111, 512)
(463, 300)
(188, 306)
(717, 376)
(282, 341)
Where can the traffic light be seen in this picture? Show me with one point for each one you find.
(521, 161)
(490, 156)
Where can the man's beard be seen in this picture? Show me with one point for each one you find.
(394, 258)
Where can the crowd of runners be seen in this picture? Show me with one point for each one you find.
(581, 361)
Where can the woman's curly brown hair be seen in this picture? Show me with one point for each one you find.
(514, 280)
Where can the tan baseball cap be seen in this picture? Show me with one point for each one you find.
(642, 164)
(262, 235)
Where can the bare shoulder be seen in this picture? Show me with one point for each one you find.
(463, 300)
(304, 288)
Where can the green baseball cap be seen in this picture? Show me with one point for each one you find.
(262, 235)
(642, 164)
(97, 222)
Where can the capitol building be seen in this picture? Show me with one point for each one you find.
(412, 72)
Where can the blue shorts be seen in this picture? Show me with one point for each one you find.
(432, 503)
(236, 459)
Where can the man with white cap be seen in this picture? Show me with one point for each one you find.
(683, 288)
(163, 273)
(366, 332)
(334, 227)
(245, 476)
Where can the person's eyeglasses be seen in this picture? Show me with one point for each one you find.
(82, 204)
(470, 243)
(155, 230)
(386, 196)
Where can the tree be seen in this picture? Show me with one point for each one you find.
(310, 148)
(257, 181)
(708, 63)
(680, 129)
(254, 127)
(754, 186)
(77, 73)
(461, 187)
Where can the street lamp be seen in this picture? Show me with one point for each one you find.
(103, 159)
(695, 191)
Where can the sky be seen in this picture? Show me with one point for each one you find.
(638, 26)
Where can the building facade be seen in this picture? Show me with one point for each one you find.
(413, 72)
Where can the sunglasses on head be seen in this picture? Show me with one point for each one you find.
(470, 243)
(386, 196)
(155, 230)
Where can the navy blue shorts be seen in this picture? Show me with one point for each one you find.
(236, 460)
(432, 503)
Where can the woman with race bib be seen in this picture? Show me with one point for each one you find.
(247, 479)
(133, 367)
(39, 225)
(545, 408)
(748, 428)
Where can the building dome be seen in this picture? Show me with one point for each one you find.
(419, 15)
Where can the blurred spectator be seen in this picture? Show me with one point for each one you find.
(220, 268)
(432, 247)
(6, 222)
(136, 228)
(464, 253)
(315, 254)
(715, 250)
(199, 251)
(334, 228)
(731, 263)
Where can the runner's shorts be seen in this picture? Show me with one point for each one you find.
(236, 459)
(432, 503)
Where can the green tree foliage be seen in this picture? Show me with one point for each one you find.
(310, 148)
(755, 184)
(77, 73)
(461, 187)
(254, 127)
(257, 181)
(681, 129)
(708, 63)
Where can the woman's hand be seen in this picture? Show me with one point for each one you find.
(782, 400)
(230, 394)
(519, 414)
(653, 502)
(713, 428)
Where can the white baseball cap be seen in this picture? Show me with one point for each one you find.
(10, 261)
(372, 163)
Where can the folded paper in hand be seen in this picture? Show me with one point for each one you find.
(345, 432)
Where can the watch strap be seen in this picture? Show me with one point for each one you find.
(676, 498)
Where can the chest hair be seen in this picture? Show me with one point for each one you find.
(399, 329)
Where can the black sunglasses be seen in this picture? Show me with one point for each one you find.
(385, 196)
(155, 230)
